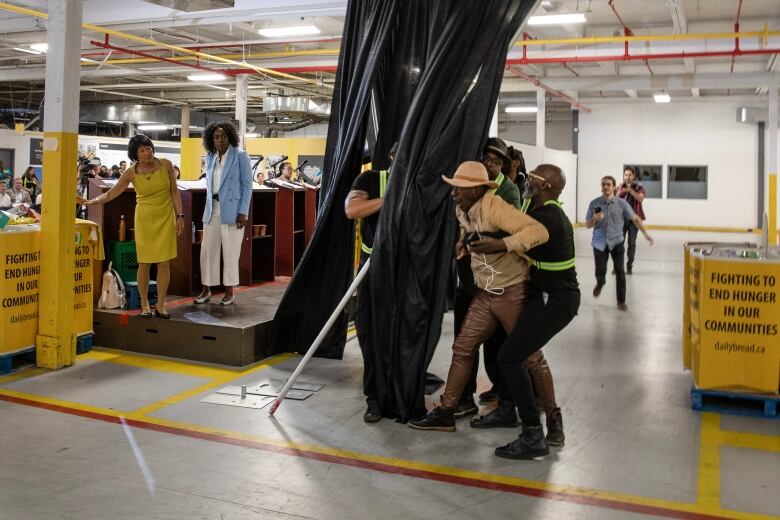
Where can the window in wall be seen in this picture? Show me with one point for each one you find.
(650, 175)
(687, 182)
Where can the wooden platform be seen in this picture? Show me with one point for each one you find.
(234, 335)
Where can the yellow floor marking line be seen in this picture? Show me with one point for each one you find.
(708, 489)
(398, 463)
(217, 382)
(160, 365)
(753, 441)
(23, 374)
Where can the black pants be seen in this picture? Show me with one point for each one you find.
(620, 269)
(490, 348)
(363, 326)
(631, 231)
(537, 325)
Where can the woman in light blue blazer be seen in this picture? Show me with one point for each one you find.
(228, 194)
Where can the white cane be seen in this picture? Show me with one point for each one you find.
(321, 336)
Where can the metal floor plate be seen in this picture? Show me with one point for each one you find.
(250, 401)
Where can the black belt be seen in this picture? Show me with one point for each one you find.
(215, 196)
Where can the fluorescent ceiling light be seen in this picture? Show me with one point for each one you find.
(153, 127)
(520, 110)
(298, 30)
(219, 88)
(28, 51)
(206, 77)
(557, 19)
(113, 122)
(662, 98)
(40, 47)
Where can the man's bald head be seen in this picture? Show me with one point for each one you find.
(553, 175)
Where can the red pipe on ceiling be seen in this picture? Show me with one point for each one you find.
(557, 93)
(198, 46)
(107, 45)
(633, 57)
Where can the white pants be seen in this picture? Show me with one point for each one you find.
(226, 237)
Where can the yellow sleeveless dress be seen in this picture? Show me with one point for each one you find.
(155, 221)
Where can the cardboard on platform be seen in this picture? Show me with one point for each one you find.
(20, 262)
(734, 312)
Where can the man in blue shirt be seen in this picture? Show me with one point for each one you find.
(607, 215)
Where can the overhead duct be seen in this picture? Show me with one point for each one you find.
(295, 107)
(191, 6)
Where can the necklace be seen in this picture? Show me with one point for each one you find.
(148, 175)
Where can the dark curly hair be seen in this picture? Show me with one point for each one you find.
(136, 141)
(227, 127)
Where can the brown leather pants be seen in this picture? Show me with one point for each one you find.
(485, 313)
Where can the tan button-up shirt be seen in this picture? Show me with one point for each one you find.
(490, 214)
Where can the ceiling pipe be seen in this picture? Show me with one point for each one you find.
(595, 40)
(147, 41)
(244, 56)
(107, 45)
(634, 57)
(557, 93)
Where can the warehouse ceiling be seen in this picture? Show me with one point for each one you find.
(152, 47)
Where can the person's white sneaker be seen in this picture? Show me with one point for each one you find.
(225, 302)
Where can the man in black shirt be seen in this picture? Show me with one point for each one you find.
(553, 274)
(364, 202)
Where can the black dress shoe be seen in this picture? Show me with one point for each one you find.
(373, 413)
(629, 270)
(465, 407)
(529, 445)
(489, 396)
(440, 419)
(504, 416)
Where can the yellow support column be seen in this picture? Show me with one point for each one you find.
(772, 213)
(55, 341)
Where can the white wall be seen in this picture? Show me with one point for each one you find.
(557, 134)
(566, 161)
(675, 133)
(20, 143)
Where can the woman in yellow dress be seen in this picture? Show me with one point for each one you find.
(158, 217)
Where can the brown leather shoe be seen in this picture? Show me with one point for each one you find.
(622, 307)
(597, 291)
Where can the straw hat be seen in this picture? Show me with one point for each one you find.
(470, 174)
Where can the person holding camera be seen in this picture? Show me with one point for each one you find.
(495, 235)
(606, 215)
(158, 217)
(632, 192)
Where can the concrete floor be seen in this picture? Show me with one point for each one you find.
(634, 448)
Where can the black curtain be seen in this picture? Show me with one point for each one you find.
(426, 74)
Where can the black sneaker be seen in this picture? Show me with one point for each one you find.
(465, 407)
(629, 270)
(439, 418)
(489, 396)
(504, 416)
(555, 436)
(529, 445)
(373, 413)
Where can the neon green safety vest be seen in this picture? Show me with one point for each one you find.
(549, 266)
(382, 189)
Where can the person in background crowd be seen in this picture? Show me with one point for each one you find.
(19, 195)
(103, 173)
(177, 171)
(286, 172)
(30, 182)
(158, 218)
(606, 215)
(634, 193)
(495, 235)
(553, 301)
(6, 175)
(364, 202)
(228, 194)
(122, 167)
(516, 171)
(5, 197)
(115, 173)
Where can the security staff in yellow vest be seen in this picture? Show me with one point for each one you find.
(364, 202)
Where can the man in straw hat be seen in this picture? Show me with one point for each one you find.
(496, 234)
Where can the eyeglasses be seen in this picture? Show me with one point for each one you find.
(532, 175)
(490, 159)
(606, 184)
